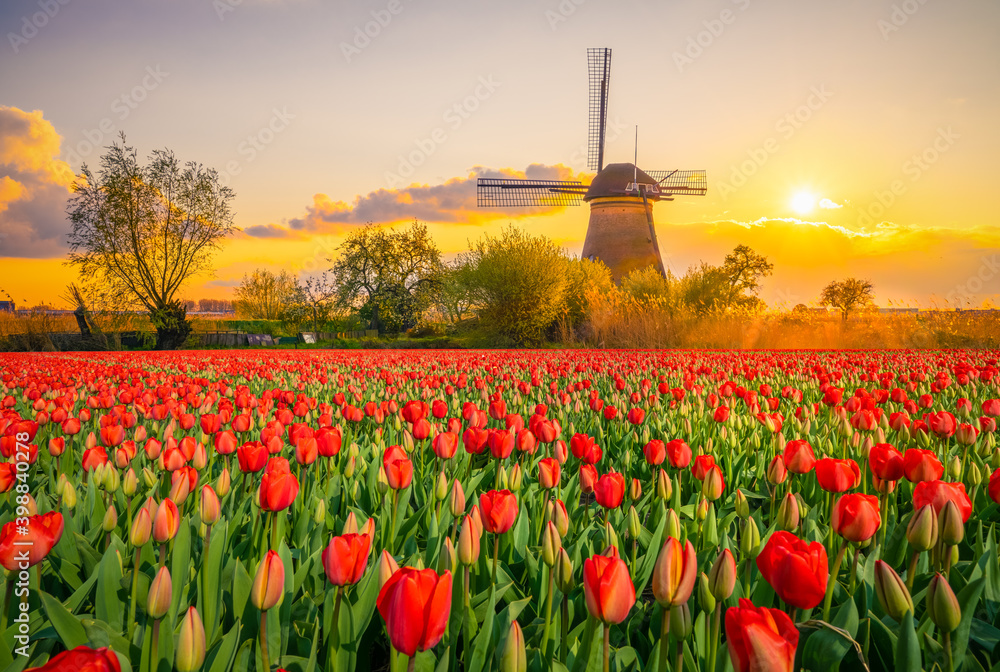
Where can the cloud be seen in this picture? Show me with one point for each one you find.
(267, 231)
(35, 186)
(827, 204)
(453, 202)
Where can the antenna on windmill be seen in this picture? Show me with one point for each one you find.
(635, 160)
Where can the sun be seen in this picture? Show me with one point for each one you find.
(803, 202)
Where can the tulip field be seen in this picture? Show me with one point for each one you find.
(500, 511)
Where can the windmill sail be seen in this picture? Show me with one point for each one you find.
(690, 182)
(599, 65)
(492, 192)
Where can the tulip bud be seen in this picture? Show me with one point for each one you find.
(516, 476)
(223, 483)
(350, 524)
(448, 558)
(208, 506)
(942, 605)
(111, 479)
(441, 487)
(664, 488)
(180, 489)
(382, 483)
(634, 526)
(705, 597)
(975, 474)
(892, 593)
(110, 521)
(61, 483)
(673, 526)
(680, 621)
(712, 487)
(142, 528)
(776, 471)
(701, 513)
(635, 490)
(564, 572)
(349, 468)
(551, 544)
(557, 514)
(922, 531)
(514, 657)
(788, 513)
(468, 542)
(191, 644)
(722, 576)
(160, 593)
(148, 477)
(750, 539)
(387, 566)
(742, 505)
(69, 496)
(950, 526)
(269, 584)
(457, 501)
(612, 536)
(319, 513)
(130, 483)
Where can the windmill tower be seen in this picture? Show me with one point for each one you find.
(621, 196)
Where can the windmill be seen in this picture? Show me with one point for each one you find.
(621, 196)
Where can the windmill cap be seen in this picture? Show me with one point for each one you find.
(615, 179)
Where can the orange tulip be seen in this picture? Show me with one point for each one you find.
(608, 588)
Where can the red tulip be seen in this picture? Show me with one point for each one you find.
(837, 475)
(636, 416)
(994, 486)
(942, 423)
(399, 473)
(474, 439)
(886, 462)
(797, 571)
(856, 516)
(252, 457)
(921, 465)
(21, 551)
(608, 588)
(415, 605)
(798, 455)
(939, 493)
(499, 510)
(501, 443)
(679, 453)
(701, 465)
(445, 444)
(721, 414)
(166, 521)
(655, 452)
(610, 489)
(8, 476)
(328, 441)
(548, 473)
(278, 485)
(345, 558)
(760, 639)
(588, 478)
(81, 659)
(674, 573)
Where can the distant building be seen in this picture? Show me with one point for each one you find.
(7, 307)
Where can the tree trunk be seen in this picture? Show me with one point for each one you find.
(81, 321)
(172, 326)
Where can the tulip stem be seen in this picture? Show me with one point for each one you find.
(135, 589)
(664, 638)
(263, 641)
(154, 647)
(548, 614)
(410, 666)
(854, 570)
(832, 581)
(714, 641)
(912, 570)
(947, 650)
(466, 635)
(274, 531)
(564, 627)
(392, 524)
(335, 631)
(496, 552)
(607, 647)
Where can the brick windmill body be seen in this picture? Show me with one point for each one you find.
(620, 232)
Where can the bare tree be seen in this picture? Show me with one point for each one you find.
(848, 295)
(143, 231)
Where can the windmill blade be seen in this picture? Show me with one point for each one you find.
(690, 182)
(492, 192)
(599, 65)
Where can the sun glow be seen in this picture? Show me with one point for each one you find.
(803, 202)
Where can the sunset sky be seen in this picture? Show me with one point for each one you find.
(853, 138)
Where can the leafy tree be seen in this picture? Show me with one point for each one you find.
(705, 289)
(520, 283)
(389, 275)
(265, 295)
(647, 285)
(848, 295)
(743, 270)
(144, 230)
(586, 278)
(453, 298)
(317, 294)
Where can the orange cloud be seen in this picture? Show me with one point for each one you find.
(453, 202)
(34, 190)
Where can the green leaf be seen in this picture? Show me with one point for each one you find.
(180, 561)
(211, 581)
(907, 658)
(109, 606)
(968, 598)
(220, 657)
(479, 649)
(847, 618)
(69, 628)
